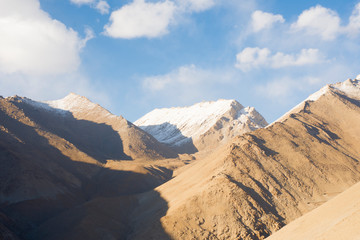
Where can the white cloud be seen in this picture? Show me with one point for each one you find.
(251, 58)
(39, 56)
(319, 21)
(263, 20)
(151, 19)
(141, 19)
(353, 28)
(33, 43)
(196, 5)
(101, 5)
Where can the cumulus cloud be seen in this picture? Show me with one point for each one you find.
(263, 20)
(251, 58)
(353, 28)
(151, 19)
(324, 22)
(33, 43)
(141, 19)
(319, 21)
(101, 5)
(39, 56)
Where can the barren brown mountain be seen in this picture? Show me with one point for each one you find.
(64, 178)
(264, 179)
(60, 154)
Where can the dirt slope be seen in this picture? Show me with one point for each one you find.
(336, 219)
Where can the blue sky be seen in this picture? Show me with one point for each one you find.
(136, 55)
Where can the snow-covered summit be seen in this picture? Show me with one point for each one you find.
(350, 87)
(178, 125)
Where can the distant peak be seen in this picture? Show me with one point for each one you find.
(76, 103)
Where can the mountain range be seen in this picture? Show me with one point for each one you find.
(70, 169)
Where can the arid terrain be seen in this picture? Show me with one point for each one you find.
(70, 169)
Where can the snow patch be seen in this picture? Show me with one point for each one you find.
(351, 88)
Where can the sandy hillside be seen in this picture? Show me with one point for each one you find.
(201, 127)
(264, 179)
(336, 219)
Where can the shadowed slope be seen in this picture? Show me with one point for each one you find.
(51, 161)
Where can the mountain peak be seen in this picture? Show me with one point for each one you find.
(76, 103)
(179, 126)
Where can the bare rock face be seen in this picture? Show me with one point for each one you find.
(203, 126)
(267, 178)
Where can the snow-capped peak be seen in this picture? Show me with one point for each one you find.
(350, 88)
(72, 102)
(176, 125)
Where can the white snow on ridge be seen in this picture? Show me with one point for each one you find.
(178, 125)
(350, 88)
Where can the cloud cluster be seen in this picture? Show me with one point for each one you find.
(33, 43)
(101, 5)
(326, 23)
(150, 19)
(251, 58)
(262, 20)
(141, 19)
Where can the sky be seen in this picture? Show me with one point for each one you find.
(132, 56)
